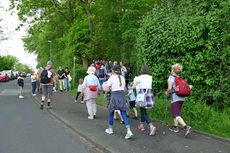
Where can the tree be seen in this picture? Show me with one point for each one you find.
(7, 62)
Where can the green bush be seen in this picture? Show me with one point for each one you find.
(199, 40)
(80, 73)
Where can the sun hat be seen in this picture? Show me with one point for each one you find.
(91, 70)
(116, 68)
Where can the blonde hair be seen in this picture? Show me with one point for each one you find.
(81, 81)
(177, 68)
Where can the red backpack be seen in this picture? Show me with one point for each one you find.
(181, 88)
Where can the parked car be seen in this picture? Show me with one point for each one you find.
(28, 75)
(10, 74)
(4, 77)
(15, 74)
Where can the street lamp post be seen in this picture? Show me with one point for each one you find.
(74, 58)
(50, 50)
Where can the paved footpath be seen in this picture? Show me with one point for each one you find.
(75, 116)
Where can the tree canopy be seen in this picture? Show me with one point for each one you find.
(159, 33)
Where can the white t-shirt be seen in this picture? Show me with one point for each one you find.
(33, 78)
(114, 83)
(144, 81)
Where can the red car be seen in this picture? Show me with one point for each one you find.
(4, 76)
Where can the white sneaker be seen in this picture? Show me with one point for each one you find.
(21, 97)
(34, 94)
(109, 131)
(90, 117)
(75, 101)
(82, 102)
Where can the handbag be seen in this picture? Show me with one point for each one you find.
(93, 88)
(141, 99)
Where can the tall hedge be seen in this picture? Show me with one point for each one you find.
(200, 41)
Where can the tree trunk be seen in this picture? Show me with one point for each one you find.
(85, 62)
(90, 22)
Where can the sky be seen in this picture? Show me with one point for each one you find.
(14, 44)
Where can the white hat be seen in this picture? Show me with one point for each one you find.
(91, 70)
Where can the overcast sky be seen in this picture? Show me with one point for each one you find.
(13, 45)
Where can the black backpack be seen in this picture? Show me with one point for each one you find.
(101, 73)
(20, 82)
(44, 77)
(127, 73)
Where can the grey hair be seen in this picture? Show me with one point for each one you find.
(49, 63)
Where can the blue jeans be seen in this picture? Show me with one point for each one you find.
(67, 83)
(144, 117)
(123, 114)
(33, 87)
(101, 82)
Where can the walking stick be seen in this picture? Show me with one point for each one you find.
(165, 114)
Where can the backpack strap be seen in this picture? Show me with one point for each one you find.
(174, 83)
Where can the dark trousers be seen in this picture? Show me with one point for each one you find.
(34, 87)
(144, 116)
(78, 93)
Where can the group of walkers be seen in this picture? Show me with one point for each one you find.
(114, 84)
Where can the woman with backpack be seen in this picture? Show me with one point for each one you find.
(144, 84)
(176, 101)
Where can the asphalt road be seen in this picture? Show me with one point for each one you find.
(26, 129)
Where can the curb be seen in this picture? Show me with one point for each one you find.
(84, 138)
(219, 138)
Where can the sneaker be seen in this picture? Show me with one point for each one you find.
(122, 122)
(75, 101)
(109, 131)
(152, 130)
(21, 97)
(174, 129)
(187, 131)
(34, 94)
(141, 128)
(49, 107)
(128, 135)
(42, 106)
(90, 117)
(94, 116)
(82, 102)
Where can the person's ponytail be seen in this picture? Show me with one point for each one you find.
(119, 76)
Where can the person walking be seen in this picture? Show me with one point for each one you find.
(48, 80)
(67, 78)
(38, 81)
(176, 101)
(34, 82)
(144, 83)
(79, 90)
(118, 100)
(132, 100)
(90, 90)
(61, 77)
(123, 69)
(102, 74)
(20, 81)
